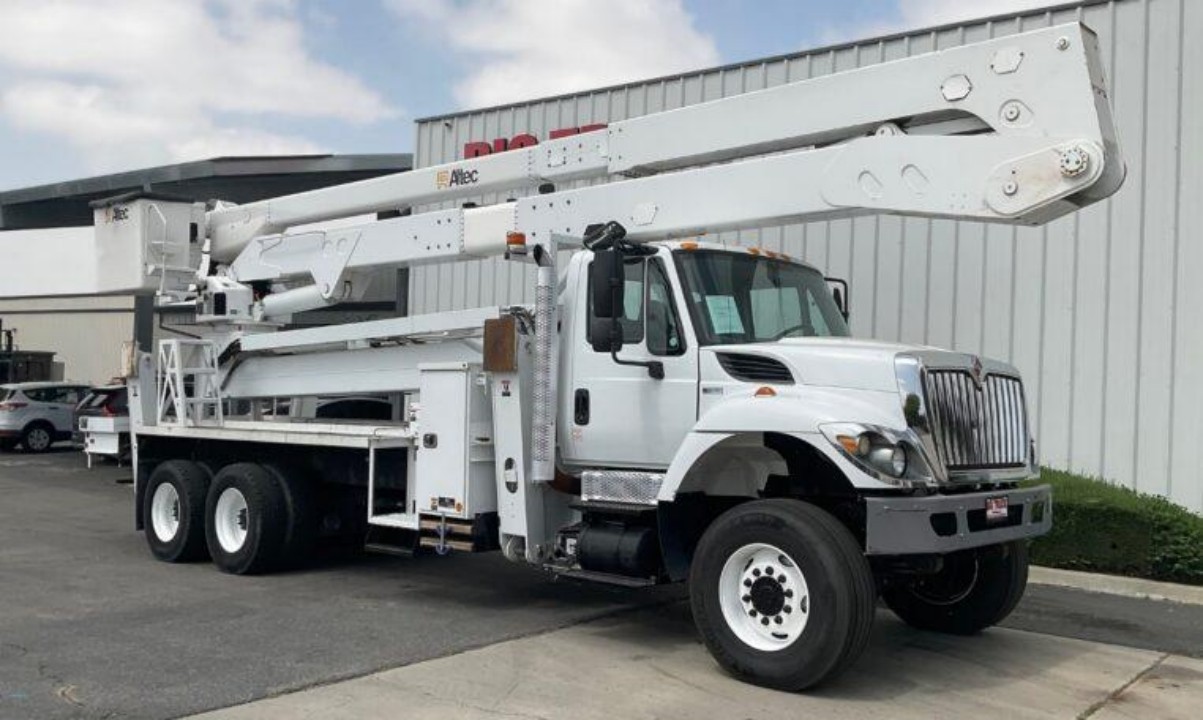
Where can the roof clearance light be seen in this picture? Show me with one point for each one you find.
(689, 245)
(754, 250)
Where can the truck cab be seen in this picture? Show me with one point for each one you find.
(714, 341)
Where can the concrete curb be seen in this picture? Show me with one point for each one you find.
(1115, 585)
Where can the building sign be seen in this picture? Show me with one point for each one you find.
(477, 148)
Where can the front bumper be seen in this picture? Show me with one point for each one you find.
(938, 524)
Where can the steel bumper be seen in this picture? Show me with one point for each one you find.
(947, 523)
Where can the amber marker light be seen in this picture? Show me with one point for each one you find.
(854, 444)
(765, 391)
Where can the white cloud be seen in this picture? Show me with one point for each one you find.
(915, 14)
(134, 82)
(522, 49)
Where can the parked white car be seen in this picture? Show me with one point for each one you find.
(36, 415)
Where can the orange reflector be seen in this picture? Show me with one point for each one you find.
(754, 250)
(849, 443)
(766, 391)
(689, 246)
(515, 238)
(771, 254)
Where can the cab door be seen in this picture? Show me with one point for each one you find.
(618, 415)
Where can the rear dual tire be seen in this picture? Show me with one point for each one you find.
(173, 511)
(781, 594)
(248, 520)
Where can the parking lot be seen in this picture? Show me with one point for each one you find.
(91, 627)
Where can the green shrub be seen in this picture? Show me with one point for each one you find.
(1100, 527)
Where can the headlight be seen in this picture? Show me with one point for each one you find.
(882, 452)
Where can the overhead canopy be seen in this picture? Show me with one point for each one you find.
(235, 179)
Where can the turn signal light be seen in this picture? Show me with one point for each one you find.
(765, 391)
(515, 238)
(855, 445)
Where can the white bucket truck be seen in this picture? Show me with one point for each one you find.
(669, 408)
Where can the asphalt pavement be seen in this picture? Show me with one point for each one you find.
(92, 627)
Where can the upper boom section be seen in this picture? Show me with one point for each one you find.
(1031, 91)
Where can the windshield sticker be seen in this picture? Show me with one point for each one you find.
(724, 316)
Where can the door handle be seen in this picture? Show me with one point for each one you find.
(580, 406)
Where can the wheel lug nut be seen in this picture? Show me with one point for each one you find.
(769, 571)
(747, 583)
(788, 609)
(764, 621)
(777, 619)
(746, 598)
(751, 613)
(789, 593)
(756, 572)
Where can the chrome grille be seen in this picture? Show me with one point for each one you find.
(977, 427)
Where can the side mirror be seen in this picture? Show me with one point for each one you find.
(839, 293)
(606, 279)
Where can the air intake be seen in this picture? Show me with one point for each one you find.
(755, 368)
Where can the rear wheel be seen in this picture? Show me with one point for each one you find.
(974, 590)
(173, 511)
(782, 594)
(247, 513)
(37, 438)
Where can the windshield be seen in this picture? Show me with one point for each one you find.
(746, 298)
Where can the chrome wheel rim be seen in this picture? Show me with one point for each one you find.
(165, 512)
(231, 520)
(764, 597)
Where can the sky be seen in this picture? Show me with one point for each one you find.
(89, 87)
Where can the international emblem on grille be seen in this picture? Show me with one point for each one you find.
(976, 371)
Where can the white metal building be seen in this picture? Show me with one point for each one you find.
(1101, 310)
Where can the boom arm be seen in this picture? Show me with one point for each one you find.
(1013, 130)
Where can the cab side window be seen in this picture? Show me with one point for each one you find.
(663, 325)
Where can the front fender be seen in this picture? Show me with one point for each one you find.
(795, 412)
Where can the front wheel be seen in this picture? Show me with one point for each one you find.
(781, 594)
(974, 590)
(37, 438)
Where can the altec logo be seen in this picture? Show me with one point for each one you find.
(453, 178)
(477, 148)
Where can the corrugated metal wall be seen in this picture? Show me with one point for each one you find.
(1102, 311)
(85, 334)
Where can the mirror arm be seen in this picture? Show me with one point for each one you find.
(655, 368)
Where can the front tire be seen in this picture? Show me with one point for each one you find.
(247, 513)
(781, 594)
(173, 511)
(974, 590)
(37, 438)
